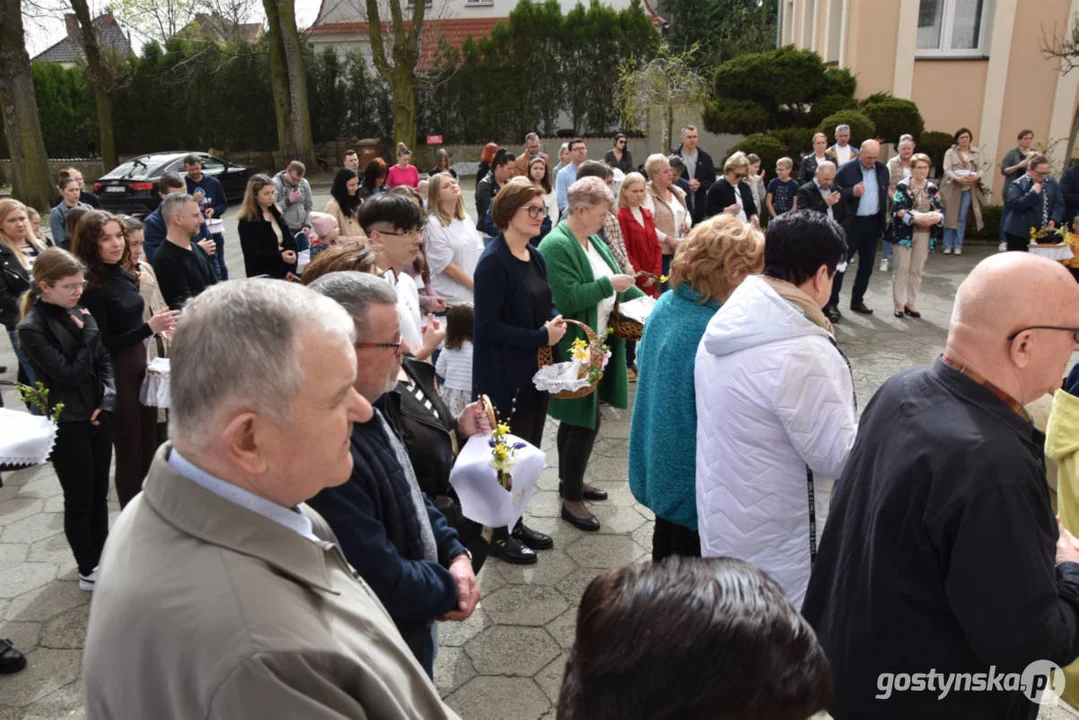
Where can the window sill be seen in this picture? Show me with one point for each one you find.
(950, 55)
(479, 3)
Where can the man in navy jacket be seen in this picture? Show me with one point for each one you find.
(863, 183)
(389, 531)
(699, 171)
(1034, 202)
(156, 229)
(210, 193)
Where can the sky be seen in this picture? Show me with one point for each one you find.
(44, 30)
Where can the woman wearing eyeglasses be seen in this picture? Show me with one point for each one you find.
(729, 194)
(514, 318)
(61, 340)
(619, 156)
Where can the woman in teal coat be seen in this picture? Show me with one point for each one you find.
(585, 281)
(716, 257)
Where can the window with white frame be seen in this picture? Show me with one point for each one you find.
(835, 30)
(809, 24)
(953, 28)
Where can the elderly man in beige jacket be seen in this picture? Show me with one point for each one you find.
(221, 595)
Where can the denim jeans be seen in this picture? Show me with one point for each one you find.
(1004, 221)
(218, 258)
(887, 251)
(953, 238)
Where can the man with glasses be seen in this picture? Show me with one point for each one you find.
(948, 556)
(578, 153)
(1034, 202)
(532, 149)
(389, 531)
(392, 223)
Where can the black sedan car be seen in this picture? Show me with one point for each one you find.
(132, 187)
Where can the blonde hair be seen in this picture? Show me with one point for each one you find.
(434, 204)
(821, 136)
(718, 254)
(51, 266)
(630, 180)
(589, 191)
(784, 162)
(651, 165)
(920, 157)
(402, 149)
(738, 160)
(8, 206)
(250, 210)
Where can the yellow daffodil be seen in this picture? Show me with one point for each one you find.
(663, 278)
(503, 429)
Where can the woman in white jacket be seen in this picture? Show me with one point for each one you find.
(775, 406)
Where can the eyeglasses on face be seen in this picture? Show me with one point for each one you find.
(395, 345)
(410, 233)
(740, 176)
(533, 211)
(1073, 331)
(72, 287)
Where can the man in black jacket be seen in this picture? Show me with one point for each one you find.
(394, 537)
(863, 183)
(182, 267)
(700, 171)
(820, 194)
(942, 569)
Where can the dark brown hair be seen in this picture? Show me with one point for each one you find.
(459, 321)
(73, 216)
(511, 198)
(693, 639)
(86, 246)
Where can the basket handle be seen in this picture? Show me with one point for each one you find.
(588, 331)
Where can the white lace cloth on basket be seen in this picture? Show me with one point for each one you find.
(1057, 252)
(483, 499)
(25, 439)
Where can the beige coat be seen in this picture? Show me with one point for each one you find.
(205, 609)
(349, 224)
(951, 192)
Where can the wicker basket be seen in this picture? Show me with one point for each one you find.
(546, 357)
(624, 327)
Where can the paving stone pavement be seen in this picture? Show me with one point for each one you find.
(506, 661)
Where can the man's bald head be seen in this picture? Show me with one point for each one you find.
(869, 153)
(1003, 295)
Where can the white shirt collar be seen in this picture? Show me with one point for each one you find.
(292, 518)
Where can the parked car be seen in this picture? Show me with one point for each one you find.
(132, 186)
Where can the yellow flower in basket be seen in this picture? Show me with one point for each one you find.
(579, 350)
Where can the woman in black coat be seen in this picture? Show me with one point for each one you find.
(513, 320)
(730, 195)
(269, 248)
(63, 345)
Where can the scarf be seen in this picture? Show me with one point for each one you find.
(802, 302)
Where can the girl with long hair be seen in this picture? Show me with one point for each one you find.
(345, 203)
(112, 296)
(486, 158)
(18, 250)
(63, 344)
(374, 178)
(452, 245)
(267, 244)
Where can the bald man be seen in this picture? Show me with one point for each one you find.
(863, 183)
(939, 555)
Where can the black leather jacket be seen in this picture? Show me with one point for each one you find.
(14, 281)
(73, 364)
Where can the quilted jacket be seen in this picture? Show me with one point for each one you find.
(775, 416)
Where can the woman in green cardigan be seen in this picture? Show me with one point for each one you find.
(584, 281)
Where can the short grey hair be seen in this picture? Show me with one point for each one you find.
(173, 203)
(906, 138)
(825, 165)
(237, 345)
(297, 167)
(356, 293)
(842, 128)
(531, 136)
(687, 127)
(589, 192)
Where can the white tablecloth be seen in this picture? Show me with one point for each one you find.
(25, 439)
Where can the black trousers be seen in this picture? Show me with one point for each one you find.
(135, 424)
(631, 353)
(574, 450)
(862, 240)
(670, 538)
(1017, 242)
(81, 459)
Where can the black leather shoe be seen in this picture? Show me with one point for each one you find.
(833, 314)
(513, 551)
(532, 538)
(11, 660)
(588, 524)
(3, 369)
(590, 493)
(861, 308)
(912, 313)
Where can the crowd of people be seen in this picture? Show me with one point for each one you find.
(319, 405)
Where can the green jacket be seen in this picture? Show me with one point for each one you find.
(576, 294)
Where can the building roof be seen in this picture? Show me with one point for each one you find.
(211, 26)
(110, 36)
(454, 30)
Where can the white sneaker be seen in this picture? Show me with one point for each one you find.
(947, 251)
(884, 264)
(1003, 247)
(86, 582)
(958, 251)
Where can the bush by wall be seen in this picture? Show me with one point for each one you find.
(934, 144)
(892, 117)
(861, 127)
(766, 147)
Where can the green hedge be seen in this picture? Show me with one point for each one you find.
(768, 148)
(893, 117)
(934, 144)
(861, 127)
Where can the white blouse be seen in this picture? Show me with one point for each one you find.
(408, 306)
(458, 243)
(601, 269)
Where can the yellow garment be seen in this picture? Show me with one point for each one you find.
(1073, 243)
(1062, 445)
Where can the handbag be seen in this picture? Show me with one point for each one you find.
(154, 391)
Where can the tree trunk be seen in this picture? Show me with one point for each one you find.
(668, 126)
(404, 105)
(300, 122)
(279, 81)
(101, 80)
(31, 177)
(402, 73)
(1071, 140)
